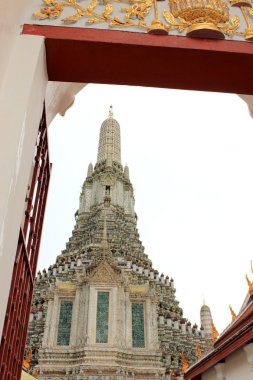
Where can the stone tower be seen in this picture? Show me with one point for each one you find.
(207, 325)
(102, 311)
(206, 320)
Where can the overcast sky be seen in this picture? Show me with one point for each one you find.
(190, 157)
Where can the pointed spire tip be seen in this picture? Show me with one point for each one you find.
(111, 112)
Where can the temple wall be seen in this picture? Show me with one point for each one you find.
(11, 15)
(117, 194)
(23, 88)
(21, 103)
(97, 193)
(128, 202)
(239, 365)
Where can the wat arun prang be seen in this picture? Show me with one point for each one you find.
(102, 311)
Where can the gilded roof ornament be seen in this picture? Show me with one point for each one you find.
(250, 284)
(232, 313)
(185, 364)
(26, 361)
(215, 332)
(157, 26)
(199, 18)
(199, 352)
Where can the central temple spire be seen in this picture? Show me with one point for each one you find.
(103, 289)
(109, 140)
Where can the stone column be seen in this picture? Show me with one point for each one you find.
(120, 320)
(21, 103)
(75, 319)
(128, 311)
(91, 328)
(152, 325)
(85, 308)
(148, 324)
(83, 317)
(52, 337)
(113, 316)
(48, 322)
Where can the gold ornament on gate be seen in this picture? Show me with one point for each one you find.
(199, 18)
(246, 9)
(202, 18)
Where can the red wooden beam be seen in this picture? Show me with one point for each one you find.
(138, 59)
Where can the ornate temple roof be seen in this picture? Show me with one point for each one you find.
(238, 333)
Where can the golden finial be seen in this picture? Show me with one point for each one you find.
(185, 364)
(26, 361)
(249, 284)
(232, 313)
(110, 112)
(215, 332)
(199, 353)
(36, 373)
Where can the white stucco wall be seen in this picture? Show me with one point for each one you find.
(238, 366)
(21, 103)
(11, 16)
(23, 88)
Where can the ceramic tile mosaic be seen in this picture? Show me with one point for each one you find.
(64, 325)
(102, 317)
(138, 325)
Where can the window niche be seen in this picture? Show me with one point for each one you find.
(138, 338)
(102, 317)
(64, 325)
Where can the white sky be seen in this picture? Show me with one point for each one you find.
(190, 157)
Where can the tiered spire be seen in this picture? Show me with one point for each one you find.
(206, 320)
(107, 190)
(109, 140)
